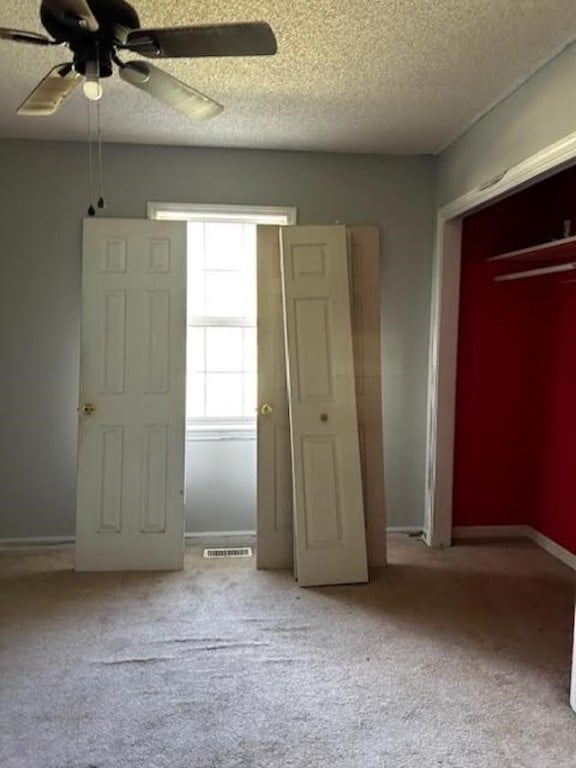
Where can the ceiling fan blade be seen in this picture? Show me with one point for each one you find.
(162, 86)
(74, 10)
(251, 39)
(20, 36)
(49, 94)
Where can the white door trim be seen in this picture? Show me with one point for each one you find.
(444, 326)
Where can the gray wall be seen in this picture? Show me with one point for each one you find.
(539, 113)
(220, 484)
(43, 198)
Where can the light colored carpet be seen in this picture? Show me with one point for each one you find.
(458, 659)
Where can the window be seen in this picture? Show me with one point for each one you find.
(221, 368)
(221, 375)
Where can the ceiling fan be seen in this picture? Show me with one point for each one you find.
(96, 31)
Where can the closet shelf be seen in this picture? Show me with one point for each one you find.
(552, 251)
(536, 272)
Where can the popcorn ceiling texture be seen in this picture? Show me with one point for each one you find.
(382, 76)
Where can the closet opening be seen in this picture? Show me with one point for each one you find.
(502, 407)
(555, 160)
(515, 415)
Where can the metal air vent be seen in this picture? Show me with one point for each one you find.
(218, 552)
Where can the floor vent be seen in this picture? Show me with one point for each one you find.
(216, 552)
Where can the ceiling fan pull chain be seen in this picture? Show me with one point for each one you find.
(101, 204)
(91, 209)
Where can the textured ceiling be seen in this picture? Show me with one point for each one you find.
(383, 76)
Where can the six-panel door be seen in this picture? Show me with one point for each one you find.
(130, 503)
(328, 507)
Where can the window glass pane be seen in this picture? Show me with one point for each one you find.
(195, 361)
(196, 305)
(195, 395)
(224, 246)
(224, 394)
(221, 283)
(224, 349)
(250, 392)
(195, 243)
(250, 249)
(250, 349)
(195, 270)
(228, 294)
(250, 296)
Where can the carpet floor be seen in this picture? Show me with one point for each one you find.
(454, 659)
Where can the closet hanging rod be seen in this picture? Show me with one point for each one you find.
(536, 272)
(554, 249)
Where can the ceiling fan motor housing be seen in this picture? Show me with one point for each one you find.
(115, 18)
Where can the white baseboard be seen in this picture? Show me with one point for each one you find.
(491, 532)
(36, 541)
(218, 534)
(240, 537)
(406, 530)
(516, 532)
(551, 547)
(55, 541)
(221, 539)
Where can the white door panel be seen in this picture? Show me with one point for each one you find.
(327, 486)
(130, 506)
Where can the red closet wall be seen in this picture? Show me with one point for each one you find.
(515, 450)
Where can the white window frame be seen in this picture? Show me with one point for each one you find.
(198, 428)
(245, 214)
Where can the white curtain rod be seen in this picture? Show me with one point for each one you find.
(536, 272)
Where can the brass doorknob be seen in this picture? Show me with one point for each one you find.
(87, 409)
(266, 409)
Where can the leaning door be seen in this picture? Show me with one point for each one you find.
(130, 500)
(328, 506)
(274, 507)
(364, 271)
(275, 539)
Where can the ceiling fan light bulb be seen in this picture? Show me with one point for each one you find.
(92, 89)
